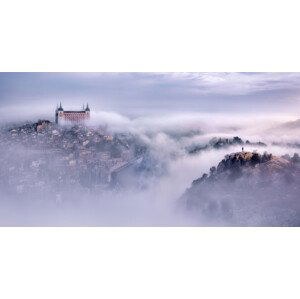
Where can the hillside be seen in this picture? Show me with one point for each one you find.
(247, 188)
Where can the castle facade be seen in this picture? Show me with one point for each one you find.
(62, 116)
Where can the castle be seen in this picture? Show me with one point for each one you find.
(72, 116)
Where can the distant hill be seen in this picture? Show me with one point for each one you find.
(218, 143)
(291, 125)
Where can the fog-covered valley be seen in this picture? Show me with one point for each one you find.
(123, 171)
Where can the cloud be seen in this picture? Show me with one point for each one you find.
(238, 83)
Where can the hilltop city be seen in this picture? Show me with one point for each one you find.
(65, 153)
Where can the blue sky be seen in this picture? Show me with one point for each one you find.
(149, 92)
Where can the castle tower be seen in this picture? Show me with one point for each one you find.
(59, 113)
(87, 110)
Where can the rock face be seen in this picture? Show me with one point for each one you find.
(247, 188)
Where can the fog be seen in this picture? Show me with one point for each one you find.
(144, 199)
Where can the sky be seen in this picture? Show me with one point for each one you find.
(147, 93)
